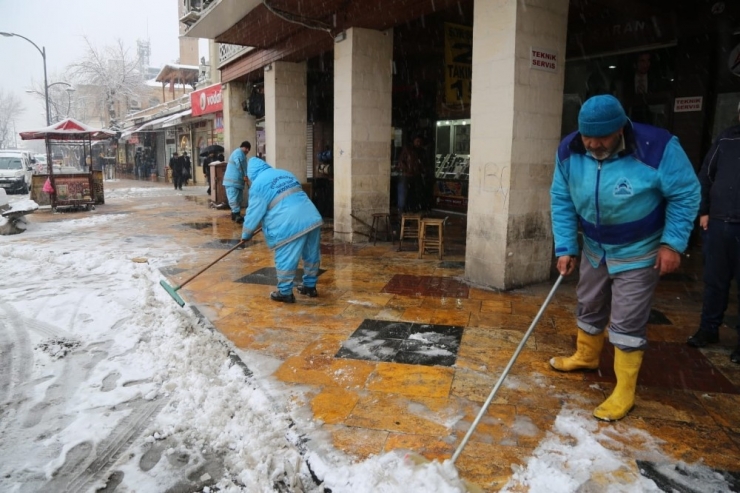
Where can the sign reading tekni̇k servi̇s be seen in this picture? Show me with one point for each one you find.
(458, 63)
(542, 59)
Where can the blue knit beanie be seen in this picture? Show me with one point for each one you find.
(600, 116)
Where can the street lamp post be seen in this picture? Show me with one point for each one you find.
(43, 56)
(70, 89)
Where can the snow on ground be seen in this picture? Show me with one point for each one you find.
(104, 378)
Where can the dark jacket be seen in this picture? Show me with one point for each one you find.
(720, 178)
(176, 165)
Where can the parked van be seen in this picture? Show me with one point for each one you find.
(15, 171)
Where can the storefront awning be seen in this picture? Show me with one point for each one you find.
(175, 119)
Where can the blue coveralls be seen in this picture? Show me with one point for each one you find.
(291, 223)
(236, 170)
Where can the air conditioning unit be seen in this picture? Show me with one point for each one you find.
(190, 18)
(134, 104)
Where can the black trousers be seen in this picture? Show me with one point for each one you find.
(177, 180)
(721, 249)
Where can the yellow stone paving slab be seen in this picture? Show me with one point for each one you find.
(393, 314)
(359, 443)
(693, 443)
(418, 315)
(671, 405)
(492, 320)
(403, 302)
(723, 408)
(281, 343)
(360, 311)
(483, 294)
(391, 412)
(489, 466)
(502, 306)
(333, 404)
(324, 345)
(459, 304)
(411, 380)
(325, 370)
(430, 447)
(450, 317)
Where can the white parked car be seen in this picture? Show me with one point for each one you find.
(15, 171)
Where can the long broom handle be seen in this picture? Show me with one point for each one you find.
(215, 261)
(505, 372)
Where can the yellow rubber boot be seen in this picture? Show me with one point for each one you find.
(622, 400)
(586, 357)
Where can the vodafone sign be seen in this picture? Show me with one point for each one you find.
(206, 100)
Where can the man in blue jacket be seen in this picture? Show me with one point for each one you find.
(633, 192)
(719, 217)
(234, 177)
(291, 225)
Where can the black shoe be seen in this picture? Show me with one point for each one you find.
(234, 215)
(702, 338)
(310, 292)
(239, 219)
(283, 298)
(735, 356)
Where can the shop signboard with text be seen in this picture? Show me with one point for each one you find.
(206, 100)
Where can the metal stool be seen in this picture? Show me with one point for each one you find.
(409, 231)
(427, 242)
(378, 218)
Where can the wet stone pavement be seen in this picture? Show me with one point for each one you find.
(399, 353)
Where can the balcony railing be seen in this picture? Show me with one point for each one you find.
(227, 53)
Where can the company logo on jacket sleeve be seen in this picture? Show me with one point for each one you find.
(623, 188)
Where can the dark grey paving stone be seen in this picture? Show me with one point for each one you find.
(447, 264)
(267, 276)
(403, 342)
(171, 271)
(223, 244)
(681, 478)
(658, 318)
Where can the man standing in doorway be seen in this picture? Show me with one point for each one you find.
(634, 193)
(176, 167)
(719, 217)
(410, 167)
(234, 178)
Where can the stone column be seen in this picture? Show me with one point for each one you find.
(515, 130)
(238, 124)
(285, 117)
(362, 130)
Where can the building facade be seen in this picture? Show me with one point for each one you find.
(493, 85)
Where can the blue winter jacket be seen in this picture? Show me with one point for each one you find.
(236, 169)
(277, 199)
(627, 205)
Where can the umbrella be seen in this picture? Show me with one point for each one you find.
(215, 148)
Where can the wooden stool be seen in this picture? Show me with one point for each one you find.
(409, 231)
(378, 218)
(427, 242)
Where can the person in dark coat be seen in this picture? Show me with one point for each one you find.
(210, 158)
(410, 166)
(187, 170)
(176, 165)
(719, 218)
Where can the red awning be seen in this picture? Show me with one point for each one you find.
(68, 129)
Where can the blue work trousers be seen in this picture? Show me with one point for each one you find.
(235, 196)
(287, 257)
